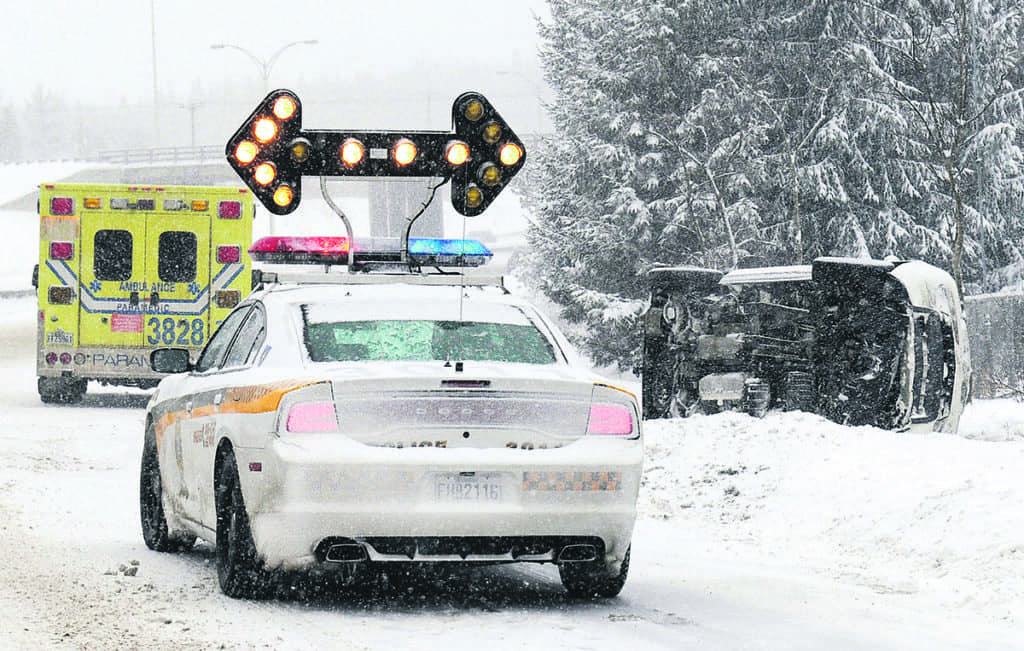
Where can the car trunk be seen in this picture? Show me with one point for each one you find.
(483, 406)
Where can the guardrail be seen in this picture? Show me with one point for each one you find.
(161, 155)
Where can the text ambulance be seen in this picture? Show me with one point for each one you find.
(125, 269)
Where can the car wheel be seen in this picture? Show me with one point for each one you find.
(239, 570)
(756, 398)
(798, 391)
(593, 579)
(151, 505)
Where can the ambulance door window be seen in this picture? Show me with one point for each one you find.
(177, 256)
(112, 255)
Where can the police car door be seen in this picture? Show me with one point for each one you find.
(113, 275)
(177, 297)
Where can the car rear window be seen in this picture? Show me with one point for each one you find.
(425, 340)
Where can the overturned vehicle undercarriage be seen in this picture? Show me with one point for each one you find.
(861, 342)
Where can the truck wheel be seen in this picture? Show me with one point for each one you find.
(239, 570)
(593, 579)
(151, 505)
(55, 390)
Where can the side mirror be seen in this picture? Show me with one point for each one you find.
(170, 360)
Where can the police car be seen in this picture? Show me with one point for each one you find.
(387, 418)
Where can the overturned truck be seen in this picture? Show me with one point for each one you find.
(861, 342)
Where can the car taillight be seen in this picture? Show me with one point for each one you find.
(614, 420)
(312, 417)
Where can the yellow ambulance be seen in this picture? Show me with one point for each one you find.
(125, 269)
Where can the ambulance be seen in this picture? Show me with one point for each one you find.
(126, 269)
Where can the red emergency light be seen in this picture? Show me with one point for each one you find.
(427, 252)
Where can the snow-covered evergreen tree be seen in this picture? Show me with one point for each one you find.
(952, 70)
(730, 133)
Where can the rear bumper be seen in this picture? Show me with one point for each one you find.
(99, 363)
(320, 488)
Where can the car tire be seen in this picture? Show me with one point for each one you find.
(798, 391)
(155, 531)
(239, 570)
(593, 579)
(756, 398)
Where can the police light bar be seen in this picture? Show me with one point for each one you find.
(334, 250)
(271, 152)
(441, 253)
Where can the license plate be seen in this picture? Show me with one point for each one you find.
(466, 488)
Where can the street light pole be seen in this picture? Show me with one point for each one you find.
(156, 95)
(264, 68)
(266, 65)
(192, 119)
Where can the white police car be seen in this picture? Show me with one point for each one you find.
(376, 418)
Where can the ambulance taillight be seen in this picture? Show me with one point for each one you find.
(62, 206)
(227, 298)
(60, 295)
(229, 209)
(228, 254)
(62, 250)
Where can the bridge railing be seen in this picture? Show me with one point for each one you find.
(161, 154)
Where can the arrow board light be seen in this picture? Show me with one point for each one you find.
(271, 152)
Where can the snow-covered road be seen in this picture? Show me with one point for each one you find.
(786, 533)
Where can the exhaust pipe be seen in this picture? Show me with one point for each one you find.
(577, 554)
(345, 553)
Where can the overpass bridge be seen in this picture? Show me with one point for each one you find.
(165, 165)
(378, 207)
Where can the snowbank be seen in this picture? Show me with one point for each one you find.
(933, 514)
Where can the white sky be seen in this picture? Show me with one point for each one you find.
(101, 51)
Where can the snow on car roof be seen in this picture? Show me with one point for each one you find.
(403, 302)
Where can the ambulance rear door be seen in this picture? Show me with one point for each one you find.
(113, 275)
(178, 279)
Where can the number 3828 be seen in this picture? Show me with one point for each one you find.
(180, 332)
